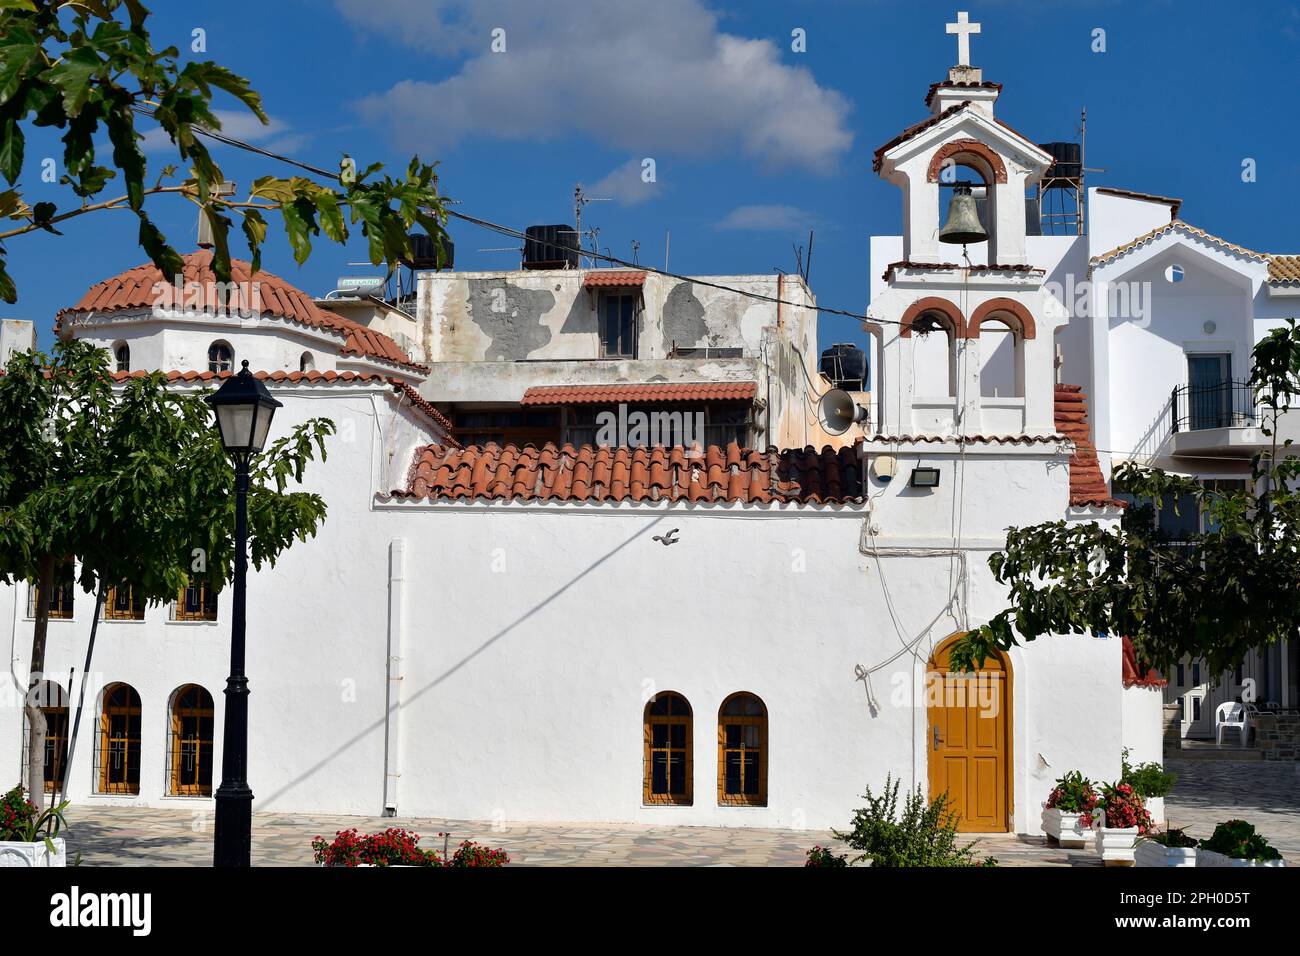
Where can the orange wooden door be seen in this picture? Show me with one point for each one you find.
(968, 742)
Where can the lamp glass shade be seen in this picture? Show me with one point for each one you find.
(244, 409)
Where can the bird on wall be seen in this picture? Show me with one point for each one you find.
(667, 539)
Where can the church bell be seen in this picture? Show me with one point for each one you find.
(963, 225)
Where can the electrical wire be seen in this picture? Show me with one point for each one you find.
(516, 234)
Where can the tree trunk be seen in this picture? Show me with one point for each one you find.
(32, 707)
(81, 694)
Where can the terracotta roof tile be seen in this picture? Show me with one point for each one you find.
(613, 278)
(600, 473)
(913, 130)
(1177, 225)
(1087, 486)
(1131, 672)
(1284, 270)
(135, 289)
(959, 85)
(652, 392)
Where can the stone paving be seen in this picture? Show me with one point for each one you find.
(1266, 794)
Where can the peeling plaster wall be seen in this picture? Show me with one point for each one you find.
(489, 336)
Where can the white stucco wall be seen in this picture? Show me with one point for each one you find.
(1143, 727)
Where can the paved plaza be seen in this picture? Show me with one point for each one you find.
(1208, 791)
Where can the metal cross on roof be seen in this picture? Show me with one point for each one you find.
(963, 28)
(217, 191)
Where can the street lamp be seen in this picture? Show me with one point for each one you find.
(244, 409)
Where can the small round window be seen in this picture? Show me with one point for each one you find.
(1174, 273)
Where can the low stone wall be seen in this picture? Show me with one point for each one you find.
(1278, 736)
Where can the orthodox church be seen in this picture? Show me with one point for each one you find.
(504, 618)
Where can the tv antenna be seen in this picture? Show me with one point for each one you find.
(580, 199)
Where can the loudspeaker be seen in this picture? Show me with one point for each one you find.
(837, 411)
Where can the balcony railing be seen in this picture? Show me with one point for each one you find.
(1229, 404)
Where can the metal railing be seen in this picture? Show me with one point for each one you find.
(1227, 404)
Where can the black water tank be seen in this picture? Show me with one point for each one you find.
(1069, 160)
(550, 247)
(846, 366)
(424, 252)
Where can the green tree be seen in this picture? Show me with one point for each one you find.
(1213, 595)
(131, 480)
(83, 65)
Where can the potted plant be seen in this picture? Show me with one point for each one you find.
(1067, 814)
(1235, 843)
(1152, 782)
(28, 838)
(1168, 847)
(1120, 819)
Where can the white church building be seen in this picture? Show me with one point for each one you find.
(570, 631)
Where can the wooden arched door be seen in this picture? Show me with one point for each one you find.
(969, 740)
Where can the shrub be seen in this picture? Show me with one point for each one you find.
(20, 823)
(824, 856)
(1172, 837)
(398, 847)
(1074, 793)
(1148, 779)
(922, 836)
(1124, 808)
(1238, 839)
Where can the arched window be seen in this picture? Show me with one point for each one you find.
(668, 763)
(189, 743)
(52, 699)
(221, 357)
(934, 355)
(118, 754)
(306, 362)
(122, 357)
(742, 752)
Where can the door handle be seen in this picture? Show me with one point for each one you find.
(937, 738)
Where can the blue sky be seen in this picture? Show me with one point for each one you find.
(753, 143)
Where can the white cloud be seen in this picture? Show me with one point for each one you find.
(759, 218)
(625, 184)
(657, 81)
(276, 135)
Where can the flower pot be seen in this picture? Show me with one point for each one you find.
(1213, 858)
(1115, 845)
(1067, 829)
(13, 853)
(1151, 853)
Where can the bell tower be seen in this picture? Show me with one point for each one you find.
(964, 327)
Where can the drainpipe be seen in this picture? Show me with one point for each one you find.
(393, 698)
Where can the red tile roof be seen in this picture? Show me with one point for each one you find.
(1176, 225)
(590, 473)
(1132, 673)
(135, 289)
(654, 392)
(617, 278)
(404, 389)
(1087, 486)
(921, 127)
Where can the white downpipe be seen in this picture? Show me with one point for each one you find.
(396, 651)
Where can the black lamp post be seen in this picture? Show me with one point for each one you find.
(244, 409)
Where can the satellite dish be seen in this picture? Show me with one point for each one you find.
(837, 411)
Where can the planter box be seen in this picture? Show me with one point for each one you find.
(1211, 858)
(33, 854)
(1151, 853)
(1064, 828)
(1116, 845)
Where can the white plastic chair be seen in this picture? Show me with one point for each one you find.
(1228, 715)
